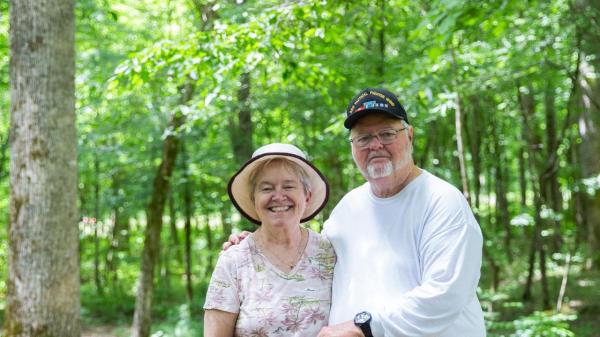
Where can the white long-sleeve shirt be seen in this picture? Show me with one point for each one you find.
(412, 260)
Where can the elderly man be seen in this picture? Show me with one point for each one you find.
(408, 246)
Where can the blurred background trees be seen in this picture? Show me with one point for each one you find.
(172, 96)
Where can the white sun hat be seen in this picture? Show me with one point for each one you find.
(239, 188)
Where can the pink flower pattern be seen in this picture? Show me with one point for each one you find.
(314, 315)
(269, 302)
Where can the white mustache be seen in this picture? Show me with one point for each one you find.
(377, 154)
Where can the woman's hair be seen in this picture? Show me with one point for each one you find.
(287, 164)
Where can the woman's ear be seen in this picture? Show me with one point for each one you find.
(308, 196)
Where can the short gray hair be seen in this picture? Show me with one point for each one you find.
(289, 165)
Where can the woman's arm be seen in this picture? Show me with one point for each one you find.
(219, 323)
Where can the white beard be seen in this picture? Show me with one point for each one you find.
(376, 171)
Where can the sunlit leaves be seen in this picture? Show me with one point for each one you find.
(305, 60)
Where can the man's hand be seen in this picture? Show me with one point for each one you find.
(346, 329)
(235, 239)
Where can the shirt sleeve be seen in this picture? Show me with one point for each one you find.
(450, 251)
(224, 290)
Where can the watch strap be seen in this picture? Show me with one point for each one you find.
(364, 326)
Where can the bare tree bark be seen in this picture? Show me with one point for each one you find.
(43, 235)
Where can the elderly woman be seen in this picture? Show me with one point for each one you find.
(277, 282)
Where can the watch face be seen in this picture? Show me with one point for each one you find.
(362, 317)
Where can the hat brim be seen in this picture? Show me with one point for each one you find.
(239, 187)
(353, 118)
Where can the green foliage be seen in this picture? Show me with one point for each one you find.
(179, 324)
(305, 60)
(543, 324)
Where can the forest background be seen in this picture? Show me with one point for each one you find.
(172, 96)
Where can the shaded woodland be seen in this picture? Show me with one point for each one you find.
(168, 98)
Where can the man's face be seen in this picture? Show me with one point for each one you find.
(377, 160)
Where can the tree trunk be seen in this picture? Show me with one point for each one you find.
(589, 129)
(381, 63)
(500, 181)
(173, 220)
(589, 120)
(3, 157)
(504, 213)
(43, 235)
(527, 105)
(97, 281)
(208, 235)
(526, 297)
(578, 202)
(495, 269)
(473, 133)
(173, 227)
(537, 246)
(117, 236)
(460, 149)
(241, 129)
(337, 182)
(551, 190)
(422, 158)
(522, 177)
(240, 132)
(188, 211)
(142, 319)
(172, 244)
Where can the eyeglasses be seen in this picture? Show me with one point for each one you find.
(385, 137)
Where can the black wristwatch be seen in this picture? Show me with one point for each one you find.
(363, 321)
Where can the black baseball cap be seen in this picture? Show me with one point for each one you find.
(373, 100)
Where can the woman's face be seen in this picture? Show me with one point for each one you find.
(279, 196)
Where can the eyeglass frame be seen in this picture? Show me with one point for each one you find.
(377, 135)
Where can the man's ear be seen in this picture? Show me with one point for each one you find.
(308, 196)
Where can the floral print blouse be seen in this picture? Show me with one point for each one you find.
(268, 301)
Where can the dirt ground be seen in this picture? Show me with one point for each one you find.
(99, 331)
